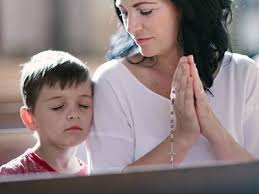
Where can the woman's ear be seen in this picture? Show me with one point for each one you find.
(27, 118)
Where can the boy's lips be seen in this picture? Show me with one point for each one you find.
(74, 128)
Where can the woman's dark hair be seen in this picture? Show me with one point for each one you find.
(203, 33)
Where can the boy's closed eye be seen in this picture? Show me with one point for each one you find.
(57, 107)
(84, 106)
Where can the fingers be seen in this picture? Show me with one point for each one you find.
(186, 118)
(177, 78)
(178, 72)
(207, 120)
(180, 81)
(184, 96)
(201, 101)
(182, 85)
(197, 85)
(189, 96)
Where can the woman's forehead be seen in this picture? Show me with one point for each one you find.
(121, 2)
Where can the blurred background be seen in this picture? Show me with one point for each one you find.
(83, 28)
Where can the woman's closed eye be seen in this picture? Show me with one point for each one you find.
(145, 11)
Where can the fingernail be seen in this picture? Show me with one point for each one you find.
(192, 58)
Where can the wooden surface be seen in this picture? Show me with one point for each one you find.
(10, 100)
(14, 142)
(9, 79)
(229, 179)
(10, 121)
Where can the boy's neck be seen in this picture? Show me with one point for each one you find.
(61, 159)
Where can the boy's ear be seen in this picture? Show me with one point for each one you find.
(27, 118)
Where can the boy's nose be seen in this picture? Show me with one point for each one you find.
(72, 117)
(73, 114)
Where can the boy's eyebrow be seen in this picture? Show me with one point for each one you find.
(53, 98)
(58, 97)
(87, 96)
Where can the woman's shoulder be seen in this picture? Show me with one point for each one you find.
(239, 64)
(238, 60)
(240, 67)
(108, 70)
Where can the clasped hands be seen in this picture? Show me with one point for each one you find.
(194, 116)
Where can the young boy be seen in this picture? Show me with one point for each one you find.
(57, 95)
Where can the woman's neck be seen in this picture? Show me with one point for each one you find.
(167, 63)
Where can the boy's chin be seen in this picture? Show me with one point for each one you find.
(74, 143)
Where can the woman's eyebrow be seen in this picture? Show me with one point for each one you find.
(141, 3)
(137, 4)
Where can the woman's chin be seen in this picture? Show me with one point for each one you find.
(147, 53)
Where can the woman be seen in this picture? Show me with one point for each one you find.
(176, 47)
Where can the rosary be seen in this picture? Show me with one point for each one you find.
(172, 126)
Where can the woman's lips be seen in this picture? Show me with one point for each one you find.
(74, 128)
(142, 40)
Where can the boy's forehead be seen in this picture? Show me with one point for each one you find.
(81, 89)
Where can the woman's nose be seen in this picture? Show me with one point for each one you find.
(134, 25)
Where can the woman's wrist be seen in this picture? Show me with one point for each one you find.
(227, 148)
(216, 134)
(182, 144)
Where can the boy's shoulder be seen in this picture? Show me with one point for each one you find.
(15, 166)
(23, 164)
